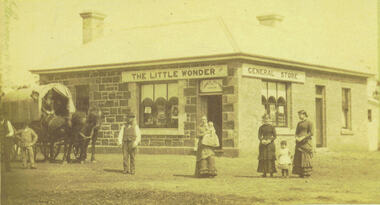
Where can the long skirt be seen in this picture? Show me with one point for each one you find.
(302, 158)
(267, 158)
(205, 162)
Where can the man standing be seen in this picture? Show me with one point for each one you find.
(129, 137)
(6, 137)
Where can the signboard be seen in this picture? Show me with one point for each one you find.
(267, 72)
(214, 85)
(208, 71)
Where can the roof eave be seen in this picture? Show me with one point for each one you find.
(219, 57)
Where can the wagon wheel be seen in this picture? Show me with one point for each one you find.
(54, 150)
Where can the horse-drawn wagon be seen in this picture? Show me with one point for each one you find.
(49, 110)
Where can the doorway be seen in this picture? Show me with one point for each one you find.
(211, 106)
(320, 127)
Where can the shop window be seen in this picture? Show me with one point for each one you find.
(346, 108)
(370, 115)
(274, 100)
(159, 105)
(82, 99)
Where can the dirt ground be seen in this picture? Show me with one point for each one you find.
(168, 179)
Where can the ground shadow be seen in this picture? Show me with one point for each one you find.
(185, 175)
(250, 176)
(113, 170)
(268, 177)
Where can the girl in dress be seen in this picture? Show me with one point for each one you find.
(267, 148)
(284, 161)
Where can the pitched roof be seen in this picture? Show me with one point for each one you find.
(205, 38)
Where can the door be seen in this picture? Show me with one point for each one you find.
(211, 107)
(319, 121)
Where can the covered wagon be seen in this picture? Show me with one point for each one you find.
(48, 109)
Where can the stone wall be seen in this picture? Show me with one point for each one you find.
(106, 91)
(230, 108)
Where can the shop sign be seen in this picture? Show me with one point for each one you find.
(208, 71)
(210, 86)
(267, 72)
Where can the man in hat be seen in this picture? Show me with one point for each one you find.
(129, 137)
(6, 137)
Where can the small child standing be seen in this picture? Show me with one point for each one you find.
(284, 159)
(27, 139)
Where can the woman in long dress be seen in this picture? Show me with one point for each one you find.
(205, 164)
(267, 148)
(303, 154)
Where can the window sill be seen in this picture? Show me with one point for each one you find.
(284, 131)
(346, 132)
(161, 131)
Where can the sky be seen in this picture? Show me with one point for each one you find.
(42, 30)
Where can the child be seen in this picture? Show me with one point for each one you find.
(211, 139)
(284, 159)
(27, 139)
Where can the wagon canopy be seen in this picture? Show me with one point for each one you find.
(61, 94)
(21, 107)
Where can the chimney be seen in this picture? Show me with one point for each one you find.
(93, 25)
(271, 20)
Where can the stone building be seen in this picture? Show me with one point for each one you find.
(170, 75)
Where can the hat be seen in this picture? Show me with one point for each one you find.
(266, 117)
(302, 112)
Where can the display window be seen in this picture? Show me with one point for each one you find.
(274, 100)
(159, 105)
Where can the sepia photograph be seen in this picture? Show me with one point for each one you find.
(189, 102)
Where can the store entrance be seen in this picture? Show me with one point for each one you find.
(212, 108)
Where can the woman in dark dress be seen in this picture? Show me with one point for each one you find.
(304, 150)
(267, 148)
(205, 162)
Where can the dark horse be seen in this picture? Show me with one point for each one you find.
(84, 127)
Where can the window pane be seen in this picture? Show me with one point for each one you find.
(272, 89)
(346, 108)
(264, 90)
(319, 90)
(160, 91)
(146, 92)
(172, 90)
(82, 97)
(281, 90)
(159, 105)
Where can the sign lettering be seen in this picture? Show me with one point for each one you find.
(211, 71)
(273, 73)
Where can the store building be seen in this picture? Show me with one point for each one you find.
(171, 75)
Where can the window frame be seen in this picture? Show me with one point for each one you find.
(286, 105)
(346, 108)
(78, 105)
(167, 108)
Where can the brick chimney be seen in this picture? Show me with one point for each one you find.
(93, 25)
(271, 20)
